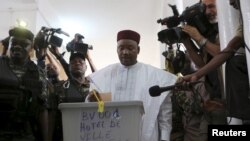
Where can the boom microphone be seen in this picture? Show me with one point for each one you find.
(156, 90)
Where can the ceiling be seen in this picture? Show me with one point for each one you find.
(16, 4)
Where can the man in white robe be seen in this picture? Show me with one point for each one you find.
(130, 80)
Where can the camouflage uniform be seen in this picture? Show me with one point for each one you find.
(23, 95)
(197, 110)
(67, 91)
(189, 117)
(70, 91)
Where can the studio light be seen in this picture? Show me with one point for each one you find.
(21, 23)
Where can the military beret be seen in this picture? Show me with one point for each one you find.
(21, 33)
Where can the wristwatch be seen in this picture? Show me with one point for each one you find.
(202, 43)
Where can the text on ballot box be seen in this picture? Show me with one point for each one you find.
(120, 121)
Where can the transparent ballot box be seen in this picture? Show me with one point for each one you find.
(120, 121)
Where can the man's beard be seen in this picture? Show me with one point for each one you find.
(213, 20)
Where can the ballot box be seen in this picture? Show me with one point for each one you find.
(120, 121)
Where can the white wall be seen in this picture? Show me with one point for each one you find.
(36, 13)
(99, 21)
(11, 12)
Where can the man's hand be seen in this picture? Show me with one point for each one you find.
(192, 32)
(211, 105)
(92, 96)
(185, 82)
(54, 50)
(190, 78)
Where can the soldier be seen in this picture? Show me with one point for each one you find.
(75, 89)
(23, 92)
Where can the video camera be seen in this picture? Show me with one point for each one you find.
(46, 36)
(77, 45)
(193, 15)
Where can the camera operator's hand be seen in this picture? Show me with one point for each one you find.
(55, 50)
(39, 41)
(188, 78)
(192, 32)
(185, 83)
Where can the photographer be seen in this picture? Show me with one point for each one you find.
(74, 46)
(202, 104)
(208, 47)
(76, 87)
(77, 45)
(210, 43)
(237, 86)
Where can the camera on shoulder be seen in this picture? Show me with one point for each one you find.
(193, 15)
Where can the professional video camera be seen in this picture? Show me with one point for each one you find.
(193, 15)
(77, 45)
(47, 36)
